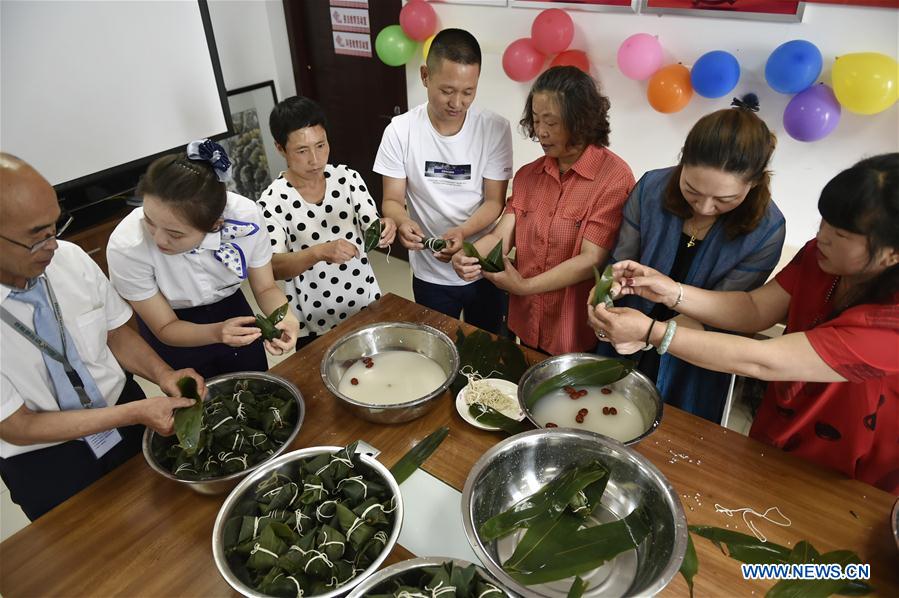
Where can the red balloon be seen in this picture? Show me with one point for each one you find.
(572, 58)
(552, 31)
(521, 60)
(418, 20)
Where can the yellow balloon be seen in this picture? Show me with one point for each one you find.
(425, 46)
(866, 82)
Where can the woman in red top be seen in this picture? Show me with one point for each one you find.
(563, 216)
(834, 396)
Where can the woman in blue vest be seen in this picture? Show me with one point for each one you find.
(708, 222)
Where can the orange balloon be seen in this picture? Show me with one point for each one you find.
(670, 89)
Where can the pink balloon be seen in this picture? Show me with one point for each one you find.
(418, 20)
(552, 31)
(640, 56)
(574, 58)
(521, 60)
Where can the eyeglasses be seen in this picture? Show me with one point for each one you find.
(61, 225)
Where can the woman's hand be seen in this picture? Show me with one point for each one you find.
(337, 252)
(622, 326)
(388, 232)
(509, 280)
(168, 381)
(290, 331)
(240, 331)
(410, 235)
(632, 278)
(466, 267)
(158, 413)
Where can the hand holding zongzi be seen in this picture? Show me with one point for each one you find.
(239, 332)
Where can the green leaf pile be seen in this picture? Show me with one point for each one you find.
(312, 528)
(489, 357)
(239, 425)
(751, 550)
(559, 542)
(443, 580)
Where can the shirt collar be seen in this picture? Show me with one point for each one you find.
(587, 166)
(6, 290)
(212, 241)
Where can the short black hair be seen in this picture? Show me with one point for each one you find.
(455, 45)
(293, 114)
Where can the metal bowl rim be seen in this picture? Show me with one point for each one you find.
(301, 404)
(417, 563)
(326, 359)
(680, 518)
(660, 404)
(221, 562)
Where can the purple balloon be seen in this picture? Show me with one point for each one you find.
(812, 114)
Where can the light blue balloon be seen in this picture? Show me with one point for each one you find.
(715, 74)
(793, 66)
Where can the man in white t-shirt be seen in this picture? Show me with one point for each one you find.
(62, 428)
(449, 165)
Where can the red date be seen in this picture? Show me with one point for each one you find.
(354, 381)
(550, 425)
(605, 391)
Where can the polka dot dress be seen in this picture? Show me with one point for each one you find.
(325, 294)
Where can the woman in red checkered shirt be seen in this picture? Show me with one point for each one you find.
(563, 216)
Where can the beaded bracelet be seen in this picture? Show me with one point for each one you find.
(666, 340)
(646, 344)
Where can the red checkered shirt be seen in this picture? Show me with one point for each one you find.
(553, 215)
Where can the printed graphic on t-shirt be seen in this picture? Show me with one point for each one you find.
(447, 174)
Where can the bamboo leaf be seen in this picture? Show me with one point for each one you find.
(603, 284)
(742, 547)
(690, 566)
(492, 263)
(372, 235)
(434, 244)
(491, 417)
(495, 257)
(577, 588)
(548, 530)
(418, 454)
(593, 373)
(278, 315)
(584, 550)
(547, 503)
(821, 588)
(489, 357)
(189, 420)
(267, 324)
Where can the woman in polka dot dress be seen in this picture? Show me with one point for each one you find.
(180, 259)
(316, 215)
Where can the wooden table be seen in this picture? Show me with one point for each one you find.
(134, 533)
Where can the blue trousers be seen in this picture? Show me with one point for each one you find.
(483, 305)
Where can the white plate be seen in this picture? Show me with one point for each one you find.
(510, 389)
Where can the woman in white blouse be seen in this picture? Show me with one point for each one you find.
(180, 259)
(317, 215)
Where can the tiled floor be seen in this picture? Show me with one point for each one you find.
(394, 277)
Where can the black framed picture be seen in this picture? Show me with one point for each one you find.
(256, 161)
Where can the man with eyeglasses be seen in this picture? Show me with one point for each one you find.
(69, 414)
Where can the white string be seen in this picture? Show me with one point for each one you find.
(473, 375)
(751, 525)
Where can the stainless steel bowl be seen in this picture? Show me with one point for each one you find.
(385, 336)
(397, 569)
(282, 464)
(222, 484)
(520, 465)
(636, 387)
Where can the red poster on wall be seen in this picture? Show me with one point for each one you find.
(747, 9)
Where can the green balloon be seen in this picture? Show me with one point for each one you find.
(393, 47)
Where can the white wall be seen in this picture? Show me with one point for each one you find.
(647, 139)
(251, 36)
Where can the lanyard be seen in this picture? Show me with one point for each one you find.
(46, 347)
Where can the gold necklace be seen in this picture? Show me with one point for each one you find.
(696, 232)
